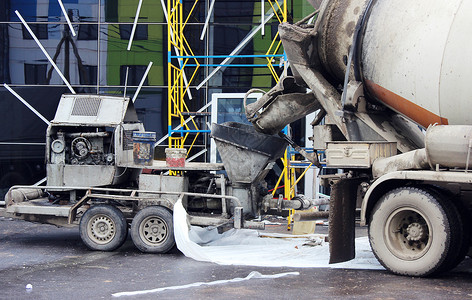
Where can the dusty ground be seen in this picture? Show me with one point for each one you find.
(57, 265)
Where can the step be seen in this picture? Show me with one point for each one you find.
(40, 206)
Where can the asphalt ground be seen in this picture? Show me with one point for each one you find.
(58, 266)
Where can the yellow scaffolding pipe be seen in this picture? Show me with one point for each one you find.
(177, 89)
(288, 174)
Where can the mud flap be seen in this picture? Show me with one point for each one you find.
(342, 220)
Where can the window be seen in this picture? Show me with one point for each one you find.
(141, 32)
(135, 74)
(228, 107)
(88, 32)
(35, 73)
(88, 75)
(40, 30)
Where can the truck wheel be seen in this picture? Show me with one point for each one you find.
(410, 231)
(152, 230)
(103, 228)
(460, 235)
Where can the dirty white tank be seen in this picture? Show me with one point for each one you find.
(414, 56)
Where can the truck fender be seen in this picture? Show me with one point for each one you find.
(396, 179)
(377, 189)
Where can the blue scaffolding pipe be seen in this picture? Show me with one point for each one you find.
(227, 56)
(188, 131)
(301, 164)
(217, 65)
(292, 151)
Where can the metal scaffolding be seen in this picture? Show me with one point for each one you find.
(178, 84)
(182, 58)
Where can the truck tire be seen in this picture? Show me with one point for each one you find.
(152, 230)
(103, 228)
(466, 249)
(460, 237)
(410, 232)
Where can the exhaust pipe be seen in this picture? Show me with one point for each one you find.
(448, 146)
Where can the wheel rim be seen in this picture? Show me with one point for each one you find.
(101, 229)
(153, 230)
(408, 233)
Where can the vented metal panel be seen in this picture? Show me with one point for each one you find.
(86, 107)
(128, 140)
(96, 110)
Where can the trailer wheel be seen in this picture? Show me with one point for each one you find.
(410, 231)
(103, 228)
(152, 230)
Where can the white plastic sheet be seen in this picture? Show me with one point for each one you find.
(252, 275)
(246, 247)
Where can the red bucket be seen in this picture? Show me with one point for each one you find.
(175, 157)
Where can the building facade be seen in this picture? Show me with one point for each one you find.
(96, 60)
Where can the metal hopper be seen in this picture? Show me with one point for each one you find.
(245, 152)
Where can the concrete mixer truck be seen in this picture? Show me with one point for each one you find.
(389, 80)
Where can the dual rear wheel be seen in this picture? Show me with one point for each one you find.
(152, 230)
(414, 231)
(104, 228)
